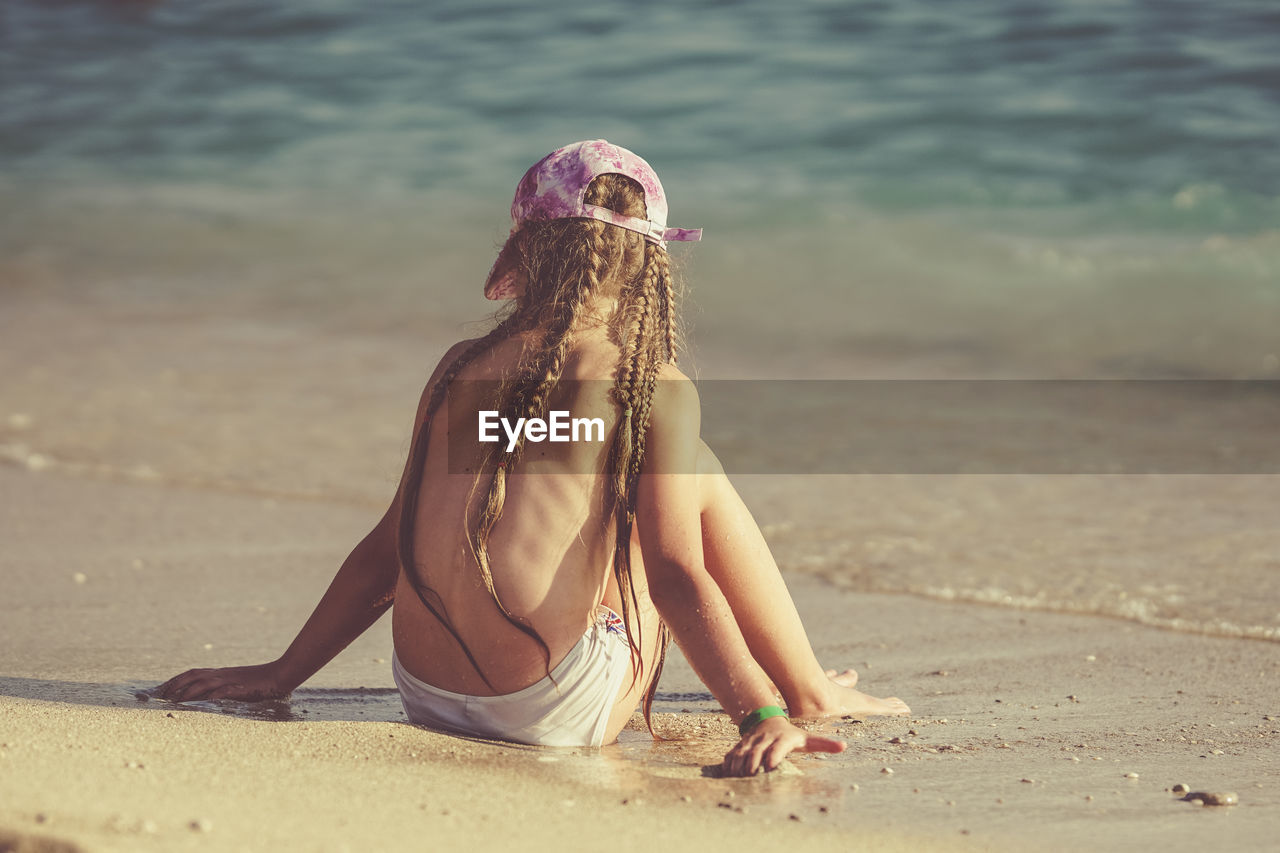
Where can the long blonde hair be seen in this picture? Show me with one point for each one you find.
(564, 264)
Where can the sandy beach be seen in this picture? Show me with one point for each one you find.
(1024, 258)
(184, 462)
(1030, 730)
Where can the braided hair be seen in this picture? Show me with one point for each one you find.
(564, 264)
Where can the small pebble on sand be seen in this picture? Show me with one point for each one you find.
(854, 787)
(896, 740)
(1214, 798)
(201, 824)
(888, 771)
(1180, 788)
(1131, 775)
(80, 577)
(208, 646)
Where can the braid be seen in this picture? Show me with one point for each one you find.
(645, 364)
(658, 263)
(646, 305)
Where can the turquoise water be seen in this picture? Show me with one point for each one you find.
(1071, 190)
(1142, 115)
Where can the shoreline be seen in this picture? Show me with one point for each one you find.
(226, 578)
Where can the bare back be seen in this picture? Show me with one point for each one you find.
(550, 553)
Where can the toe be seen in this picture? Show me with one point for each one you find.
(848, 678)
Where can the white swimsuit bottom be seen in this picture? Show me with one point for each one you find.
(571, 707)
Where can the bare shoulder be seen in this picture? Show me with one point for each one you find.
(446, 361)
(675, 396)
(442, 367)
(451, 355)
(674, 423)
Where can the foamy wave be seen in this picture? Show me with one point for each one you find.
(1141, 610)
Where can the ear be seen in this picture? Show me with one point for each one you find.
(506, 279)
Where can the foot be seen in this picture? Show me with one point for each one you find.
(848, 678)
(840, 699)
(850, 701)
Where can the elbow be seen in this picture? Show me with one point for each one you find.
(378, 563)
(674, 581)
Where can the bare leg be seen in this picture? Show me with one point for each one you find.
(738, 559)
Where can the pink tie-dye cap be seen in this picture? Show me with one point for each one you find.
(555, 188)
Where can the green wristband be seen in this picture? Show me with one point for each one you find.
(758, 716)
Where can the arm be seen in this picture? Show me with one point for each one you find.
(668, 520)
(363, 589)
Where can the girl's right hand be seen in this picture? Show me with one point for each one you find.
(246, 683)
(771, 741)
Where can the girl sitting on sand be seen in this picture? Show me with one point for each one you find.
(535, 584)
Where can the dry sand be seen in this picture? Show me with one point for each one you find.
(1026, 725)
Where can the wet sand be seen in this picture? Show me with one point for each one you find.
(1025, 725)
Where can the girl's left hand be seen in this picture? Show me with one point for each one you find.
(771, 741)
